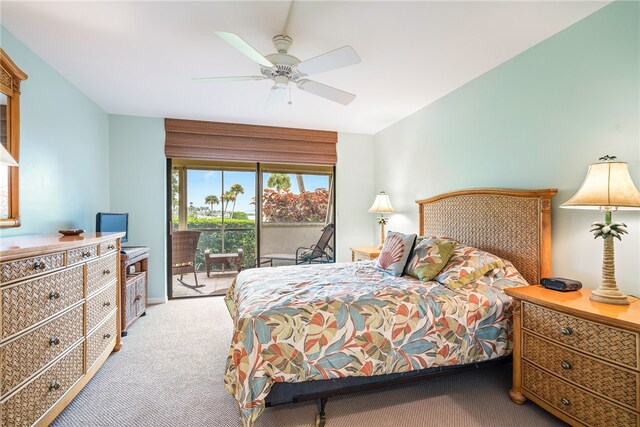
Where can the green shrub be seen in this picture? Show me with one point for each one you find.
(239, 234)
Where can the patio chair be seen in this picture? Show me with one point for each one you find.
(183, 254)
(321, 252)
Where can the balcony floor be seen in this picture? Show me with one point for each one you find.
(217, 284)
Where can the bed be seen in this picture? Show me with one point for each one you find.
(316, 331)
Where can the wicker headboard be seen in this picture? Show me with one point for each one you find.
(513, 224)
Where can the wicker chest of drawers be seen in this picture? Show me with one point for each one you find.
(578, 359)
(59, 320)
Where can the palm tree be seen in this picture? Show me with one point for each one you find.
(300, 180)
(279, 181)
(211, 200)
(227, 197)
(236, 189)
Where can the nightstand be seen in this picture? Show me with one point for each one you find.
(364, 253)
(576, 358)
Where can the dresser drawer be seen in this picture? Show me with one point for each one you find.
(618, 384)
(575, 402)
(100, 305)
(613, 344)
(27, 405)
(82, 254)
(25, 355)
(100, 339)
(100, 272)
(108, 246)
(27, 267)
(26, 303)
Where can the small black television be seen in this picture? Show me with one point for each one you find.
(112, 222)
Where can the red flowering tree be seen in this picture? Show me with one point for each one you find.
(308, 206)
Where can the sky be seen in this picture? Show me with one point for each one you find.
(201, 183)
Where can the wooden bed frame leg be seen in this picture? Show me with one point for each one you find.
(321, 418)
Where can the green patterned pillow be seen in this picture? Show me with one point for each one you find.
(467, 264)
(429, 258)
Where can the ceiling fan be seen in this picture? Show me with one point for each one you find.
(285, 69)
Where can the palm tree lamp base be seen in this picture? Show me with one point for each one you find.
(608, 291)
(609, 296)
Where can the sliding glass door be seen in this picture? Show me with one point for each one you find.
(231, 216)
(213, 213)
(296, 206)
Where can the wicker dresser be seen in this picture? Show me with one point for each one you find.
(576, 358)
(59, 320)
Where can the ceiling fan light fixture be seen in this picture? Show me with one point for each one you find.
(281, 81)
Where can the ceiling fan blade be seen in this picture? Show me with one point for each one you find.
(234, 40)
(227, 79)
(327, 92)
(277, 98)
(329, 61)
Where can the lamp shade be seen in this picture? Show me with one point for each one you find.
(5, 157)
(381, 204)
(607, 185)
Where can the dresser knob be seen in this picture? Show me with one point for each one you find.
(565, 402)
(54, 386)
(54, 341)
(39, 265)
(106, 304)
(110, 247)
(54, 295)
(86, 254)
(565, 330)
(106, 336)
(105, 272)
(566, 365)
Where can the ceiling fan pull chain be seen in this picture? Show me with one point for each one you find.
(290, 95)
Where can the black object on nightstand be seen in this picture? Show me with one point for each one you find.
(561, 284)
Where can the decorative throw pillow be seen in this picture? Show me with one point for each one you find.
(467, 264)
(395, 252)
(507, 277)
(429, 257)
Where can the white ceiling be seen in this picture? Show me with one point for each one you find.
(137, 57)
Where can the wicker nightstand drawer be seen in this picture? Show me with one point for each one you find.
(26, 303)
(100, 339)
(575, 402)
(583, 335)
(30, 352)
(27, 267)
(106, 247)
(100, 305)
(82, 254)
(101, 271)
(30, 403)
(619, 384)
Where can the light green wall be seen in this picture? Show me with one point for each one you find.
(138, 177)
(536, 121)
(64, 149)
(354, 193)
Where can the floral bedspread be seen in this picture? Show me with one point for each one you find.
(303, 323)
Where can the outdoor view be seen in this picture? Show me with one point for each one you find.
(221, 205)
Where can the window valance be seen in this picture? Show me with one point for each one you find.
(191, 139)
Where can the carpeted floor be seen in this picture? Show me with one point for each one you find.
(169, 373)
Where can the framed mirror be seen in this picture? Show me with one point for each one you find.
(10, 78)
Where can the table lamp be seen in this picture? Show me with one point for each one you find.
(382, 205)
(607, 187)
(6, 158)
